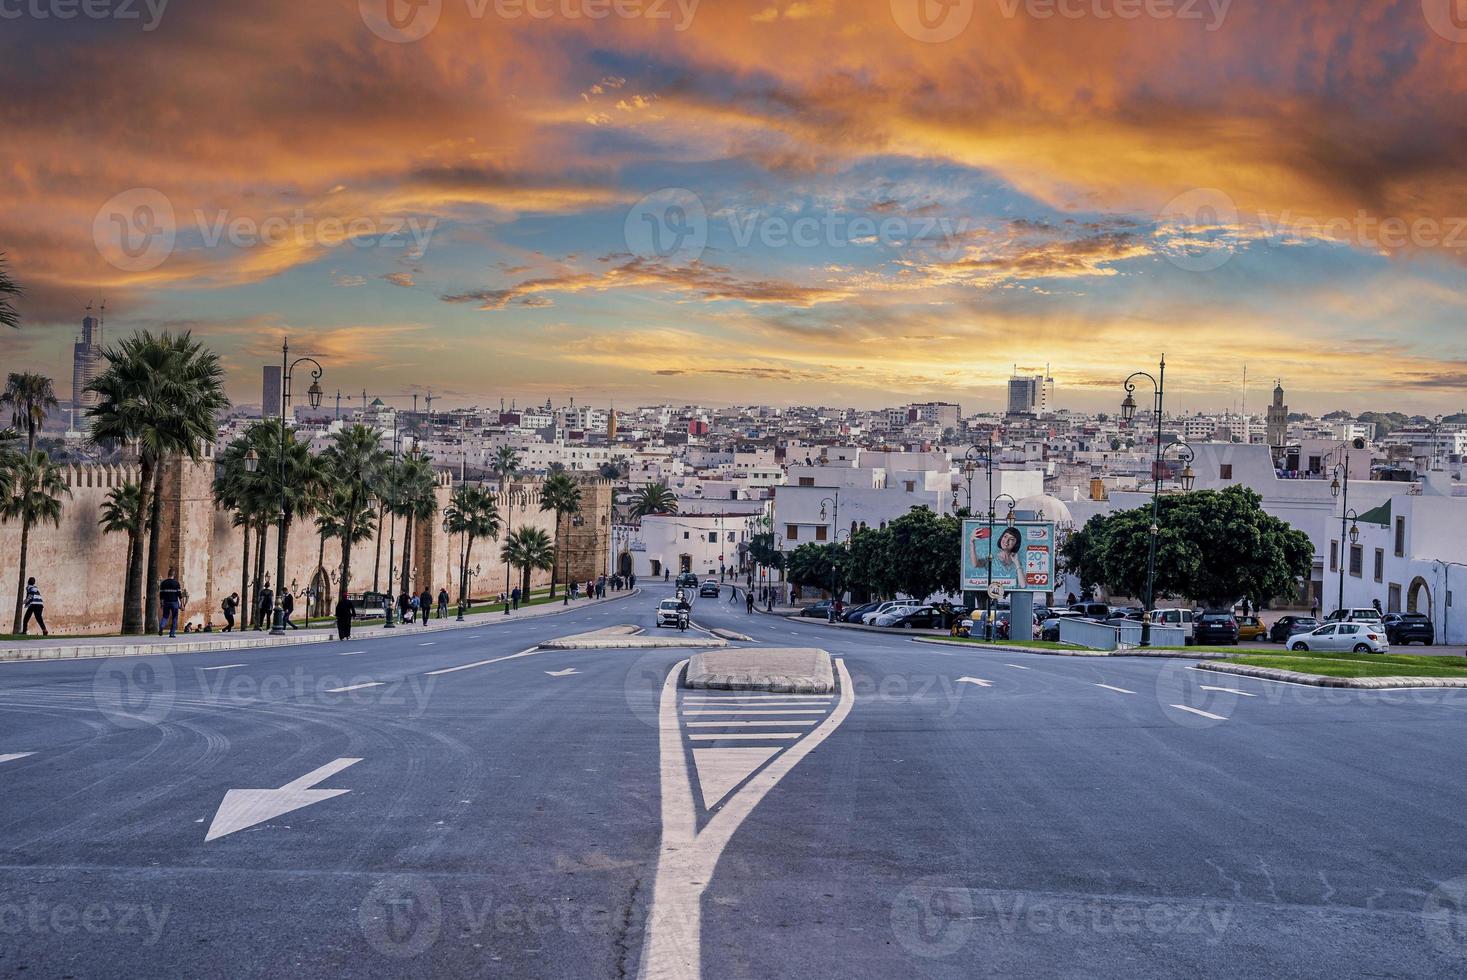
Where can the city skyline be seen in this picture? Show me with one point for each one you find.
(721, 207)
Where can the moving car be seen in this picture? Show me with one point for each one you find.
(1340, 637)
(1251, 628)
(667, 613)
(921, 618)
(687, 580)
(1287, 626)
(708, 589)
(819, 610)
(1217, 627)
(1408, 628)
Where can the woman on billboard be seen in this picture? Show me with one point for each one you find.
(1005, 555)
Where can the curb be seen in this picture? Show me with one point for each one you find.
(1318, 680)
(731, 635)
(136, 649)
(1045, 652)
(732, 672)
(635, 643)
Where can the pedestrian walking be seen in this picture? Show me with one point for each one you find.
(632, 581)
(170, 597)
(425, 601)
(1314, 609)
(514, 597)
(263, 607)
(442, 603)
(404, 605)
(749, 601)
(228, 607)
(343, 618)
(412, 616)
(35, 608)
(287, 607)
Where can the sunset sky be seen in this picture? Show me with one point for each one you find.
(826, 201)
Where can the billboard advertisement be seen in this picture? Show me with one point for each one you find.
(1022, 556)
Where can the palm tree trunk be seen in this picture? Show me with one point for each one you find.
(261, 536)
(555, 568)
(463, 572)
(348, 529)
(407, 551)
(377, 566)
(25, 543)
(244, 576)
(150, 585)
(282, 539)
(132, 596)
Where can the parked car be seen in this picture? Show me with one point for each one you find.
(1049, 629)
(819, 610)
(1408, 628)
(921, 618)
(1172, 617)
(667, 613)
(1251, 628)
(1287, 626)
(1340, 637)
(870, 618)
(1097, 611)
(708, 589)
(1367, 614)
(1215, 628)
(854, 614)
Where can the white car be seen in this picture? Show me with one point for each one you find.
(1366, 614)
(891, 616)
(907, 605)
(1343, 637)
(667, 613)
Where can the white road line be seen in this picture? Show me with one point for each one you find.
(483, 663)
(1118, 690)
(1199, 711)
(743, 735)
(351, 653)
(428, 644)
(354, 687)
(1016, 666)
(741, 711)
(1229, 690)
(11, 757)
(788, 723)
(222, 667)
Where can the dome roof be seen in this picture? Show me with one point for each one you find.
(1046, 508)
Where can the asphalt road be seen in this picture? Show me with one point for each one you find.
(975, 814)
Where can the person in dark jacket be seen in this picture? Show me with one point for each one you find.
(403, 605)
(229, 606)
(343, 618)
(514, 597)
(170, 597)
(264, 607)
(425, 603)
(287, 609)
(35, 608)
(442, 603)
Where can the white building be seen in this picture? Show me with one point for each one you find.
(705, 544)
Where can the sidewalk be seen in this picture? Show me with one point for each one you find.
(73, 648)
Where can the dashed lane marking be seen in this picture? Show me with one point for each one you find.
(744, 736)
(354, 687)
(1118, 690)
(483, 663)
(1199, 711)
(1229, 690)
(222, 667)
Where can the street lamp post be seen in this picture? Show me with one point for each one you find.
(1339, 488)
(988, 599)
(1128, 412)
(834, 502)
(313, 395)
(511, 495)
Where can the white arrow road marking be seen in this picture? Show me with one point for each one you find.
(1199, 711)
(244, 808)
(224, 667)
(484, 663)
(14, 755)
(673, 946)
(354, 687)
(563, 673)
(720, 770)
(1118, 690)
(1229, 690)
(975, 680)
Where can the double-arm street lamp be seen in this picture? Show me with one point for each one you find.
(511, 497)
(1128, 412)
(834, 502)
(313, 396)
(1339, 488)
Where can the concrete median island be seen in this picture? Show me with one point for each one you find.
(786, 670)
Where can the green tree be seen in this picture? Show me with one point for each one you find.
(414, 500)
(871, 573)
(31, 488)
(248, 497)
(528, 549)
(119, 511)
(473, 514)
(923, 553)
(30, 398)
(762, 551)
(654, 498)
(9, 316)
(506, 466)
(818, 566)
(561, 494)
(162, 394)
(353, 464)
(336, 520)
(1215, 547)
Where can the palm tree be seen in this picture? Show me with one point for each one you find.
(334, 519)
(295, 482)
(506, 465)
(243, 493)
(528, 549)
(162, 394)
(415, 501)
(9, 316)
(473, 514)
(30, 398)
(31, 492)
(561, 494)
(354, 464)
(119, 511)
(655, 498)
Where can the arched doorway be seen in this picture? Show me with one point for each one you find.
(1418, 598)
(624, 563)
(320, 595)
